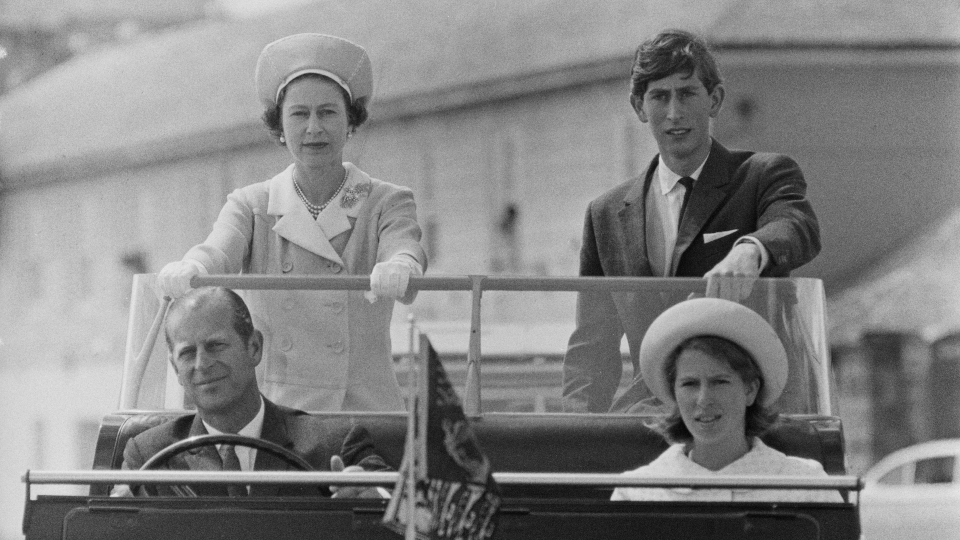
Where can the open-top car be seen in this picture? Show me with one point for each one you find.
(556, 470)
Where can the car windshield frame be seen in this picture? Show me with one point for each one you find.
(795, 307)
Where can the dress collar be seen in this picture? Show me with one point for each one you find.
(297, 225)
(284, 200)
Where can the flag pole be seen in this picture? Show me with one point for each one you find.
(413, 393)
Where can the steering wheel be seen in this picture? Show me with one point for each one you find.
(161, 457)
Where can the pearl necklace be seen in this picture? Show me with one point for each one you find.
(315, 209)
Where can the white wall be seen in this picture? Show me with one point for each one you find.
(49, 422)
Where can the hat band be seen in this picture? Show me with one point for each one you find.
(335, 78)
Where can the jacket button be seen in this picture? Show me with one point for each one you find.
(286, 343)
(335, 268)
(337, 347)
(337, 307)
(287, 266)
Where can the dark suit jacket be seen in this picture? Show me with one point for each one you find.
(314, 439)
(762, 195)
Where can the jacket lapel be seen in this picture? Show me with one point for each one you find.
(632, 221)
(297, 225)
(709, 191)
(205, 458)
(275, 431)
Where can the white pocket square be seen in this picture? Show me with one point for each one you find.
(710, 237)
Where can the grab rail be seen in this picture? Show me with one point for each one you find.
(380, 478)
(445, 283)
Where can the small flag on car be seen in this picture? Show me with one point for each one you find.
(454, 494)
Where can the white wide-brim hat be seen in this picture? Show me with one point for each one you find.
(719, 318)
(338, 59)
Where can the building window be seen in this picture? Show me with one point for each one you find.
(431, 238)
(505, 244)
(88, 430)
(506, 256)
(39, 443)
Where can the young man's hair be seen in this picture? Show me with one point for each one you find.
(669, 52)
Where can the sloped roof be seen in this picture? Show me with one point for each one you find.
(52, 14)
(883, 23)
(914, 290)
(175, 91)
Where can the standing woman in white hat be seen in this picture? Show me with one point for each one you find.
(326, 350)
(719, 367)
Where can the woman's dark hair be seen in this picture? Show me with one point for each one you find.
(272, 117)
(669, 52)
(759, 419)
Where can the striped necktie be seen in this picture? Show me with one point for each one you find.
(231, 462)
(687, 183)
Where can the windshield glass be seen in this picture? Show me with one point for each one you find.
(524, 325)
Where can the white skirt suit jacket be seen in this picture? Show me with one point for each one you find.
(761, 460)
(323, 350)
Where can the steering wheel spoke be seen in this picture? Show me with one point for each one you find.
(162, 457)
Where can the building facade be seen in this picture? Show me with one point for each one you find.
(118, 162)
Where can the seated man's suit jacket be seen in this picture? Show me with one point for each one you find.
(314, 439)
(739, 193)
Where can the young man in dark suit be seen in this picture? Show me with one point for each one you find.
(699, 210)
(214, 349)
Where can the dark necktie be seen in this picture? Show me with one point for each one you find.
(687, 183)
(232, 463)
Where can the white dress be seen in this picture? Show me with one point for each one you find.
(761, 460)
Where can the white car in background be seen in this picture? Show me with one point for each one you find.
(913, 493)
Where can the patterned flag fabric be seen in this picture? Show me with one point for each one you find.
(456, 496)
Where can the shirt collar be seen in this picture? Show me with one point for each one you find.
(253, 428)
(668, 179)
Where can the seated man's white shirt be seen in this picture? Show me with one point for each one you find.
(246, 454)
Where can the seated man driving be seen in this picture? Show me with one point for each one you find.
(214, 350)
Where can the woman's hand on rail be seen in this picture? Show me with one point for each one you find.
(174, 278)
(389, 279)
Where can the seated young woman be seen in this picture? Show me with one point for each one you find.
(718, 367)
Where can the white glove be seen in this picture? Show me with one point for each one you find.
(174, 279)
(389, 279)
(354, 492)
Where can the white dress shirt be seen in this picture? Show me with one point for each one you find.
(246, 454)
(669, 196)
